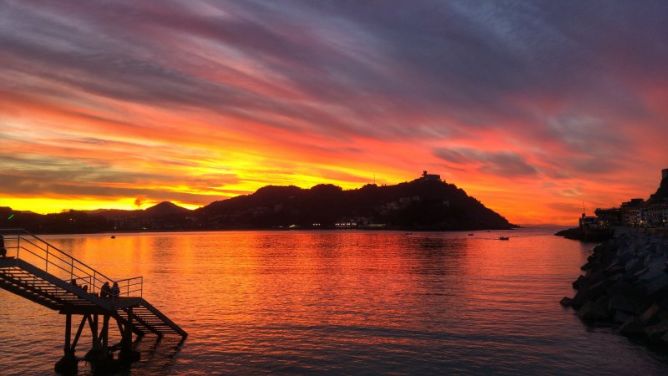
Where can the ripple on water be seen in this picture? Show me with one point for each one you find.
(343, 303)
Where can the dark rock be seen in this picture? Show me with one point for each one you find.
(634, 266)
(594, 311)
(662, 302)
(566, 301)
(649, 314)
(623, 303)
(579, 282)
(640, 272)
(633, 327)
(655, 332)
(595, 277)
(625, 284)
(624, 258)
(624, 287)
(589, 293)
(621, 317)
(614, 269)
(656, 284)
(664, 339)
(586, 236)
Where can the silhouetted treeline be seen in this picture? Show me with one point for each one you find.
(418, 205)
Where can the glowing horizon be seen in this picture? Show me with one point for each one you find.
(524, 106)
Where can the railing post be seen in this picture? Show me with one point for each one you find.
(46, 267)
(18, 245)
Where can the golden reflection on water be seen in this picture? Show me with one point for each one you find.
(345, 302)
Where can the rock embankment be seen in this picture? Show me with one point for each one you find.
(625, 285)
(586, 236)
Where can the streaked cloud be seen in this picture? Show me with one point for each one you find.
(553, 102)
(498, 163)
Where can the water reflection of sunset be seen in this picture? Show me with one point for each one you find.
(247, 271)
(258, 301)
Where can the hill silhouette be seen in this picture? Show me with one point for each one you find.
(661, 194)
(422, 204)
(417, 205)
(166, 208)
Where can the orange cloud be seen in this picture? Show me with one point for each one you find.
(99, 107)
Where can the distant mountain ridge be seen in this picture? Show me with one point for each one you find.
(422, 204)
(162, 209)
(166, 208)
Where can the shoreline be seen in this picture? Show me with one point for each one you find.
(151, 231)
(591, 236)
(276, 229)
(625, 286)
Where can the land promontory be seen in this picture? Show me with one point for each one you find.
(422, 204)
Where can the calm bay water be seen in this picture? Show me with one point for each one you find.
(343, 303)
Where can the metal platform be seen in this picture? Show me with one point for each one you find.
(40, 272)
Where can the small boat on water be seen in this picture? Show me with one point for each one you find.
(504, 238)
(470, 234)
(113, 236)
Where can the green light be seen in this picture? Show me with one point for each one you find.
(10, 217)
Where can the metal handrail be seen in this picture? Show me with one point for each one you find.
(49, 245)
(77, 269)
(75, 277)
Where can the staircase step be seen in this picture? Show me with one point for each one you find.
(37, 283)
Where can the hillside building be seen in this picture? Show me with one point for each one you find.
(430, 177)
(636, 212)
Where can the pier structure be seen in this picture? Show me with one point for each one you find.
(38, 271)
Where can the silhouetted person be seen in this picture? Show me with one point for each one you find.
(74, 282)
(105, 291)
(115, 291)
(3, 250)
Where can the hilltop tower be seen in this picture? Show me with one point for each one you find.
(426, 176)
(664, 173)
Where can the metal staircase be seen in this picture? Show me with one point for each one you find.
(40, 272)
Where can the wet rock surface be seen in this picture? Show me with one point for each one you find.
(625, 285)
(586, 236)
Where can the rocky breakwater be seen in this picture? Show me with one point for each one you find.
(577, 233)
(625, 285)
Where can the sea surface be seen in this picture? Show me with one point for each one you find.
(343, 302)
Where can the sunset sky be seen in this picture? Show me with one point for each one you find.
(533, 107)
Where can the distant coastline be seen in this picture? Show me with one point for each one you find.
(650, 214)
(424, 204)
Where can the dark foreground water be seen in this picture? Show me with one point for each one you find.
(343, 303)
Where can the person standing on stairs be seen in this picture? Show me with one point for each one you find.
(105, 291)
(115, 292)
